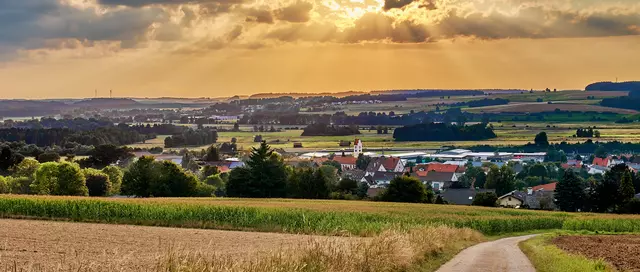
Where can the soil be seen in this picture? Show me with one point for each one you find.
(622, 251)
(49, 245)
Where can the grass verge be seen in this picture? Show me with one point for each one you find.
(546, 257)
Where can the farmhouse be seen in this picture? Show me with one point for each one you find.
(514, 199)
(346, 162)
(440, 180)
(602, 162)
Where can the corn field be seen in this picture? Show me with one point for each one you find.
(344, 218)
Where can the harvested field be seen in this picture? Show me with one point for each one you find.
(43, 245)
(544, 107)
(622, 251)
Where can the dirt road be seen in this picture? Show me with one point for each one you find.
(502, 255)
(44, 245)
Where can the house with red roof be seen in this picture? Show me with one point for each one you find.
(551, 187)
(346, 162)
(602, 162)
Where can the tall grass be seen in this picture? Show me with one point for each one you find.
(423, 249)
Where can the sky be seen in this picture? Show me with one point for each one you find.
(221, 48)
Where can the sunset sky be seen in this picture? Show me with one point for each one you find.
(217, 48)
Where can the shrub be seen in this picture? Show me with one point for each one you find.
(98, 183)
(19, 185)
(205, 190)
(487, 199)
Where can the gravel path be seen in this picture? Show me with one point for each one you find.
(502, 255)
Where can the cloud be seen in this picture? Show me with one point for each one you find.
(142, 3)
(30, 23)
(537, 23)
(260, 15)
(391, 4)
(297, 12)
(399, 4)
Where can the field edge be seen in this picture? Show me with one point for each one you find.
(547, 257)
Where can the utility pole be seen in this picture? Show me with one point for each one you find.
(95, 93)
(110, 93)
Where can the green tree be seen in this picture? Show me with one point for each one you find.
(439, 200)
(570, 193)
(316, 187)
(209, 170)
(20, 185)
(70, 180)
(600, 152)
(348, 186)
(173, 182)
(506, 182)
(541, 139)
(49, 157)
(492, 177)
(240, 183)
(363, 162)
(627, 191)
(115, 177)
(487, 199)
(45, 179)
(27, 168)
(98, 182)
(137, 178)
(8, 158)
(363, 189)
(105, 155)
(334, 164)
(212, 154)
(405, 189)
(267, 176)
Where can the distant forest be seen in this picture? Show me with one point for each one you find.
(629, 86)
(483, 103)
(443, 132)
(62, 136)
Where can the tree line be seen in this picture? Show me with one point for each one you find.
(62, 136)
(191, 137)
(443, 132)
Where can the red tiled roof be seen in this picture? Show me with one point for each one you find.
(345, 160)
(224, 169)
(546, 187)
(390, 163)
(601, 162)
(447, 168)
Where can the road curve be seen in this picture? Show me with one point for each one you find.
(502, 255)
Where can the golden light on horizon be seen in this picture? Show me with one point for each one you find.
(162, 47)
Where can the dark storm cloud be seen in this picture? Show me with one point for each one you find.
(538, 23)
(29, 23)
(398, 4)
(142, 3)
